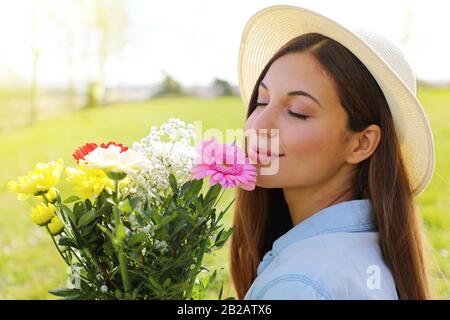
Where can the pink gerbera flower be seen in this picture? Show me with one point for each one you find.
(226, 164)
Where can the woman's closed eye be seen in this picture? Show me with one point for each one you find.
(294, 114)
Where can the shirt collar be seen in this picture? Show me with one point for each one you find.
(347, 216)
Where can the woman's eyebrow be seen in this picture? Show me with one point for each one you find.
(295, 93)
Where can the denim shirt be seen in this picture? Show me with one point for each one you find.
(333, 254)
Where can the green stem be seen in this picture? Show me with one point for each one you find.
(80, 260)
(124, 272)
(116, 191)
(197, 266)
(220, 197)
(122, 260)
(56, 245)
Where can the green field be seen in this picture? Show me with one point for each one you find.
(30, 266)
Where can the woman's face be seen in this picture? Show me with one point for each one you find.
(311, 122)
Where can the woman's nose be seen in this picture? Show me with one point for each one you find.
(266, 124)
(264, 134)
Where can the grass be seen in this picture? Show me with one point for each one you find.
(29, 266)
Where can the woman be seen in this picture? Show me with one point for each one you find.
(337, 219)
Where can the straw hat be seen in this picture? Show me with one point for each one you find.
(272, 27)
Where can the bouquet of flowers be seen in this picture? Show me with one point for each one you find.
(138, 225)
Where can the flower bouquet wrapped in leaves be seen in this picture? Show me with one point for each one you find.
(138, 225)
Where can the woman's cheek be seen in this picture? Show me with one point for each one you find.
(307, 142)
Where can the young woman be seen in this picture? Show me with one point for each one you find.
(337, 220)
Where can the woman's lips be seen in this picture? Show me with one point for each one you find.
(262, 157)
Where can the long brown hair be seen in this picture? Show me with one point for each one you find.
(261, 216)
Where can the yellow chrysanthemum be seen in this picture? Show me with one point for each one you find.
(37, 182)
(56, 226)
(87, 183)
(42, 214)
(51, 195)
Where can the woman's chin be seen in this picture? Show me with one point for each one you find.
(266, 181)
(267, 174)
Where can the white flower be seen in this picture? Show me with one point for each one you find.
(168, 150)
(104, 288)
(74, 278)
(133, 220)
(161, 246)
(148, 229)
(112, 159)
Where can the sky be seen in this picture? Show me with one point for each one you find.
(198, 40)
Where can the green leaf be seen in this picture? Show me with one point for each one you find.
(87, 218)
(65, 292)
(198, 203)
(65, 241)
(219, 236)
(125, 206)
(89, 232)
(133, 202)
(185, 188)
(165, 221)
(79, 209)
(136, 238)
(105, 210)
(225, 210)
(173, 183)
(196, 186)
(221, 292)
(213, 276)
(213, 193)
(167, 282)
(111, 201)
(105, 230)
(224, 237)
(69, 213)
(71, 199)
(155, 285)
(182, 211)
(88, 204)
(179, 226)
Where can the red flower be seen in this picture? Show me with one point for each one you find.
(83, 151)
(105, 146)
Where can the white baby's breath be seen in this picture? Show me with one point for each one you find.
(161, 246)
(168, 150)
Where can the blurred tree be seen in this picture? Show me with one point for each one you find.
(52, 19)
(72, 19)
(36, 44)
(222, 87)
(95, 92)
(169, 87)
(109, 21)
(67, 17)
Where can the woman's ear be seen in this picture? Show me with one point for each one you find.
(363, 144)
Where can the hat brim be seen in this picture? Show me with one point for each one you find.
(272, 27)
